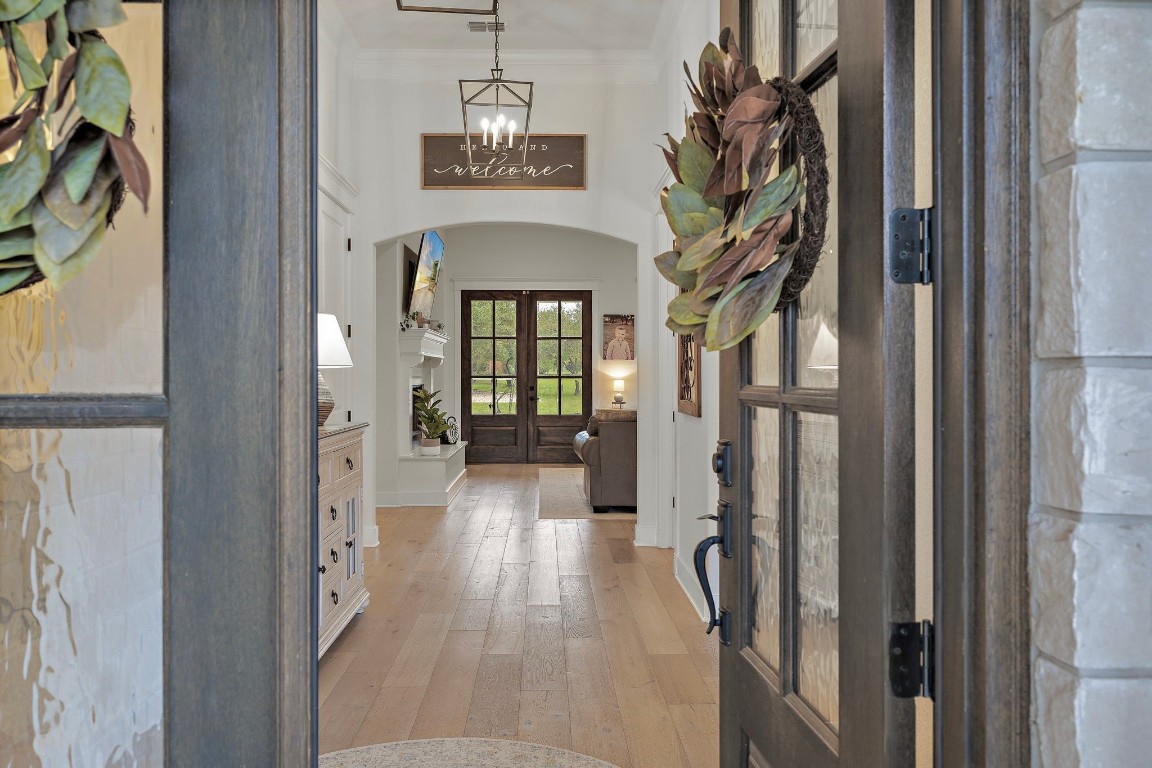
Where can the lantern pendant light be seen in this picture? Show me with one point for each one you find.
(496, 117)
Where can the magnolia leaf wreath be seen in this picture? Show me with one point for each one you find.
(70, 137)
(730, 209)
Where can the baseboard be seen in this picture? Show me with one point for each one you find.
(457, 484)
(371, 536)
(413, 499)
(646, 536)
(686, 575)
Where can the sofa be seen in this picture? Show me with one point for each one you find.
(608, 450)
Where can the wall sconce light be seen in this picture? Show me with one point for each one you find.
(618, 397)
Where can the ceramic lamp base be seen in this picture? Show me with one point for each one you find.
(324, 400)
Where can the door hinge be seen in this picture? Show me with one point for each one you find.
(912, 660)
(673, 502)
(910, 257)
(349, 245)
(349, 330)
(349, 417)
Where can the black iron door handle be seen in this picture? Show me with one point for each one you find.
(702, 574)
(724, 517)
(722, 462)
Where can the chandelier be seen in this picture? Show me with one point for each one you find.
(496, 113)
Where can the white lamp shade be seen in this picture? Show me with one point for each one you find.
(825, 351)
(618, 385)
(331, 351)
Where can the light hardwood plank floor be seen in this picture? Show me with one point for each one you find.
(487, 621)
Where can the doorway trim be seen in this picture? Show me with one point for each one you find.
(983, 381)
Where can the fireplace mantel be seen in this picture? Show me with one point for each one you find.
(421, 346)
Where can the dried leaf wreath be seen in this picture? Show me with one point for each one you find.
(76, 156)
(729, 209)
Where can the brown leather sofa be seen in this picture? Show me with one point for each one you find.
(608, 450)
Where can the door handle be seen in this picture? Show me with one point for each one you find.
(701, 557)
(722, 462)
(532, 399)
(724, 517)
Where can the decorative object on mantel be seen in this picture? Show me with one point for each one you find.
(331, 352)
(432, 421)
(474, 7)
(427, 277)
(553, 161)
(729, 212)
(501, 109)
(69, 176)
(618, 400)
(452, 436)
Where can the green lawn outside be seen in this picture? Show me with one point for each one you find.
(571, 404)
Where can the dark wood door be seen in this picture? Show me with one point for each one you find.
(526, 374)
(815, 409)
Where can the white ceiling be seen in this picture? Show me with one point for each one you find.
(533, 25)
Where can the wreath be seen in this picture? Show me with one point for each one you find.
(731, 210)
(71, 125)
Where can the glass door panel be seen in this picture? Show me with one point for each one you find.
(815, 29)
(765, 536)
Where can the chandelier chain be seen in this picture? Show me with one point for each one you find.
(497, 34)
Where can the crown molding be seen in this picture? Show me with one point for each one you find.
(332, 23)
(330, 177)
(573, 66)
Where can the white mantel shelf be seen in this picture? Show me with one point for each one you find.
(446, 453)
(419, 346)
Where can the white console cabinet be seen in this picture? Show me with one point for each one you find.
(340, 523)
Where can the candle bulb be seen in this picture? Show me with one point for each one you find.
(484, 124)
(511, 134)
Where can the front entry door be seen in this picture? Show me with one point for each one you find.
(526, 374)
(816, 418)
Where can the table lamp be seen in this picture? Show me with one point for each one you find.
(618, 397)
(331, 352)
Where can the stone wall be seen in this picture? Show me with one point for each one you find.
(1091, 522)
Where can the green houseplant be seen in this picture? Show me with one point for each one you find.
(432, 421)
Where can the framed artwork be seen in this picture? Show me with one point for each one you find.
(427, 274)
(688, 375)
(619, 337)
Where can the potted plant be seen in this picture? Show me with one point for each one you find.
(432, 421)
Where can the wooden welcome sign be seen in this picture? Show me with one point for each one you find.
(555, 161)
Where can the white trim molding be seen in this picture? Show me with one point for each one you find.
(335, 184)
(439, 66)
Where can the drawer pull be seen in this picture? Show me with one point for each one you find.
(348, 461)
(323, 569)
(350, 543)
(335, 556)
(332, 511)
(335, 598)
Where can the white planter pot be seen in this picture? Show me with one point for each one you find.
(429, 447)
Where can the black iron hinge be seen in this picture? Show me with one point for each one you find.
(912, 660)
(349, 245)
(349, 330)
(910, 254)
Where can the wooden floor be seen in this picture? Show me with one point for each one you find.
(488, 622)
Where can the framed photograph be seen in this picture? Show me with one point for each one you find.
(427, 274)
(619, 337)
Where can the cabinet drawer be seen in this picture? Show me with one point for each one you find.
(347, 461)
(331, 512)
(333, 554)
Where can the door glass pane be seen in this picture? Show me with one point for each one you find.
(506, 318)
(505, 396)
(481, 318)
(102, 332)
(571, 318)
(766, 37)
(482, 396)
(571, 357)
(547, 358)
(548, 397)
(506, 357)
(818, 561)
(817, 325)
(547, 320)
(571, 398)
(765, 563)
(81, 597)
(815, 29)
(482, 357)
(766, 353)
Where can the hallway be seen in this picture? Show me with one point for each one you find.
(487, 622)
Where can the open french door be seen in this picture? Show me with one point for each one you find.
(816, 428)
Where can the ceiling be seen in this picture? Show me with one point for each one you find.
(533, 25)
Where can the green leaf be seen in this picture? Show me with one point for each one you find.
(75, 215)
(58, 274)
(703, 251)
(683, 330)
(58, 36)
(21, 219)
(771, 201)
(42, 11)
(695, 162)
(102, 86)
(18, 242)
(26, 174)
(31, 73)
(86, 15)
(743, 310)
(9, 279)
(687, 212)
(679, 311)
(83, 158)
(57, 241)
(11, 10)
(666, 265)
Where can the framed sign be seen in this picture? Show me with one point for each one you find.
(555, 161)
